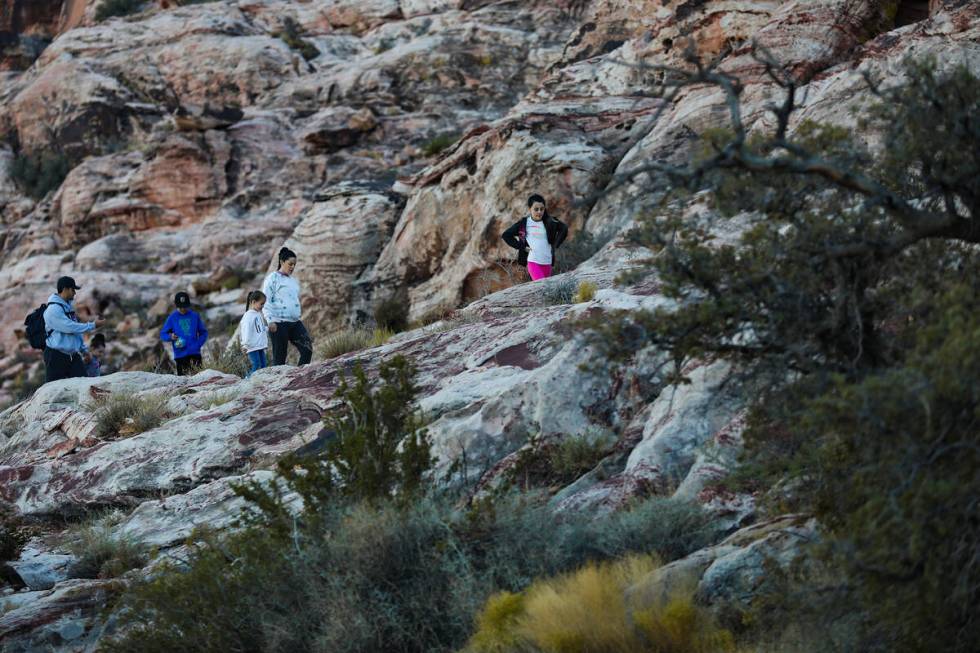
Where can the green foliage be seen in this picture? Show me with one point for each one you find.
(12, 533)
(439, 143)
(112, 8)
(371, 577)
(100, 552)
(587, 611)
(124, 414)
(392, 313)
(859, 315)
(377, 450)
(380, 447)
(556, 462)
(39, 174)
(292, 36)
(578, 249)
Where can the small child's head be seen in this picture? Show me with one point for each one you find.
(255, 300)
(183, 302)
(97, 346)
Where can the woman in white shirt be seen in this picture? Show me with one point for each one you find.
(536, 237)
(282, 311)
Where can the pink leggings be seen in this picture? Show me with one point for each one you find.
(538, 271)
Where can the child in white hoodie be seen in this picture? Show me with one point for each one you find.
(253, 332)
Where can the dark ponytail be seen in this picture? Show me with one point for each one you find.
(252, 296)
(284, 255)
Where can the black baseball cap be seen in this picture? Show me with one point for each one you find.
(67, 282)
(182, 299)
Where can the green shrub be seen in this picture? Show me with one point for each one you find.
(369, 577)
(377, 450)
(291, 36)
(39, 174)
(102, 554)
(556, 462)
(13, 534)
(559, 291)
(578, 249)
(112, 8)
(392, 313)
(852, 298)
(439, 143)
(124, 414)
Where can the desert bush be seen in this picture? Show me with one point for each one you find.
(585, 292)
(556, 462)
(39, 174)
(12, 533)
(439, 143)
(578, 249)
(113, 8)
(559, 291)
(101, 553)
(378, 449)
(351, 339)
(123, 414)
(229, 360)
(852, 296)
(587, 611)
(291, 36)
(392, 314)
(367, 577)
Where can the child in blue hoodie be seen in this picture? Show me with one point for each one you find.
(186, 331)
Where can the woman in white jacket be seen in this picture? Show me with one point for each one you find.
(253, 332)
(282, 311)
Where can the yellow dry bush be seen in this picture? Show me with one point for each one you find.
(497, 624)
(587, 612)
(680, 627)
(585, 293)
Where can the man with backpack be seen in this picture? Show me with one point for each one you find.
(65, 354)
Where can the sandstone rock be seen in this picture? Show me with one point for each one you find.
(338, 237)
(61, 617)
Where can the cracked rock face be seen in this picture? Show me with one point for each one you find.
(389, 143)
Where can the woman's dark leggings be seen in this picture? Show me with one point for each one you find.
(290, 332)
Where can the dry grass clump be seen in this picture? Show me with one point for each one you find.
(587, 611)
(123, 414)
(559, 291)
(229, 360)
(351, 339)
(585, 293)
(100, 552)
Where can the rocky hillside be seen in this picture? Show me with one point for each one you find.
(389, 143)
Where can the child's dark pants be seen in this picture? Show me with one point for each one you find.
(188, 365)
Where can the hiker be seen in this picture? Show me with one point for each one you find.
(185, 330)
(253, 332)
(282, 311)
(65, 353)
(536, 236)
(95, 365)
